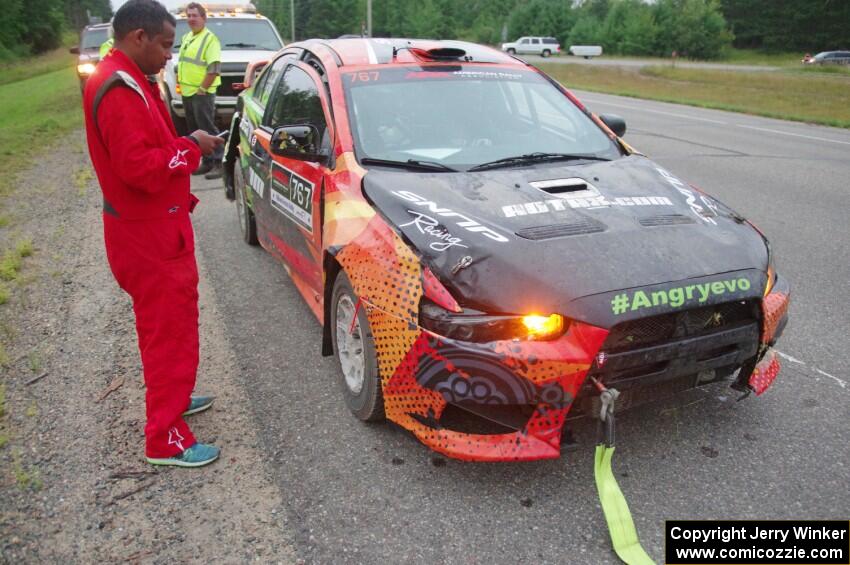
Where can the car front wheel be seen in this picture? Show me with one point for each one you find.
(511, 51)
(354, 348)
(247, 223)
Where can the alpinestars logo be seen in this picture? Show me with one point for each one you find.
(179, 159)
(174, 438)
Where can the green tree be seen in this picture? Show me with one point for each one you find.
(694, 28)
(586, 31)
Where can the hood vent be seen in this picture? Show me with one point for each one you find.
(561, 230)
(666, 220)
(561, 186)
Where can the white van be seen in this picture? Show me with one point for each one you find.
(586, 51)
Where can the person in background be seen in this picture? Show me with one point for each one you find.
(198, 70)
(106, 46)
(144, 169)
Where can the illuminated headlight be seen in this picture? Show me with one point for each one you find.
(543, 327)
(85, 69)
(470, 325)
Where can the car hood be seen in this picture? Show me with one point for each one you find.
(565, 238)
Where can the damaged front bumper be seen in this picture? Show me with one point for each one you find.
(509, 400)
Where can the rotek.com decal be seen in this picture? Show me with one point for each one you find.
(677, 297)
(585, 195)
(293, 196)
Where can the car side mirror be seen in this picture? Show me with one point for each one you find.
(615, 123)
(74, 50)
(298, 142)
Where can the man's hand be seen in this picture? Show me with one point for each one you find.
(206, 142)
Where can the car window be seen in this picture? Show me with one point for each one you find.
(523, 41)
(467, 117)
(93, 38)
(550, 40)
(296, 101)
(535, 41)
(268, 80)
(235, 33)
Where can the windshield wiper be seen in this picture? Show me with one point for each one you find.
(409, 164)
(536, 157)
(244, 45)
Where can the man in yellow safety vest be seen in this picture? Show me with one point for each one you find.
(198, 70)
(107, 45)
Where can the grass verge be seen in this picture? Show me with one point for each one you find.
(821, 99)
(45, 63)
(33, 113)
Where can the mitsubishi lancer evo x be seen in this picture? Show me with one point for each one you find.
(479, 247)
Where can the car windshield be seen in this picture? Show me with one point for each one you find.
(94, 38)
(466, 116)
(236, 33)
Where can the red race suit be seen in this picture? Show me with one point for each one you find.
(144, 169)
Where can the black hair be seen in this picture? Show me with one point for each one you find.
(148, 15)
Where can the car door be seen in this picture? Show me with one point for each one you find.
(257, 158)
(536, 47)
(524, 45)
(291, 210)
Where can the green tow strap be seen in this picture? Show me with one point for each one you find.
(620, 525)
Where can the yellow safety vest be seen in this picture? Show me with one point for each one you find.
(106, 47)
(197, 53)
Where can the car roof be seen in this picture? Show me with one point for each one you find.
(364, 51)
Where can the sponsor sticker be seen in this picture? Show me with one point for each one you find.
(257, 183)
(462, 221)
(588, 197)
(703, 208)
(431, 226)
(292, 195)
(676, 297)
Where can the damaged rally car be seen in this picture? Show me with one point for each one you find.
(477, 245)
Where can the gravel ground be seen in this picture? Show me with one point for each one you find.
(73, 483)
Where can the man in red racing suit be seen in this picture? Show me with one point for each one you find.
(143, 169)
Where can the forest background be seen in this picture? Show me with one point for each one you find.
(698, 29)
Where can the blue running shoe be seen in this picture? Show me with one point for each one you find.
(199, 404)
(198, 455)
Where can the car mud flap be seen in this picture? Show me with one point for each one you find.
(620, 524)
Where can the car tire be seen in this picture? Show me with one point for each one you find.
(355, 353)
(511, 51)
(247, 222)
(546, 53)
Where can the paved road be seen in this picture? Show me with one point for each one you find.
(372, 493)
(637, 63)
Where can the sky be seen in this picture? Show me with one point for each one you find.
(174, 4)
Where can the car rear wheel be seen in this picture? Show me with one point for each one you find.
(247, 223)
(546, 53)
(354, 348)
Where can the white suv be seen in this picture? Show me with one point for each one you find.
(245, 37)
(543, 46)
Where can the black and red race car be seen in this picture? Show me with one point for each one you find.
(478, 245)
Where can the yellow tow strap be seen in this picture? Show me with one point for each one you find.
(620, 525)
